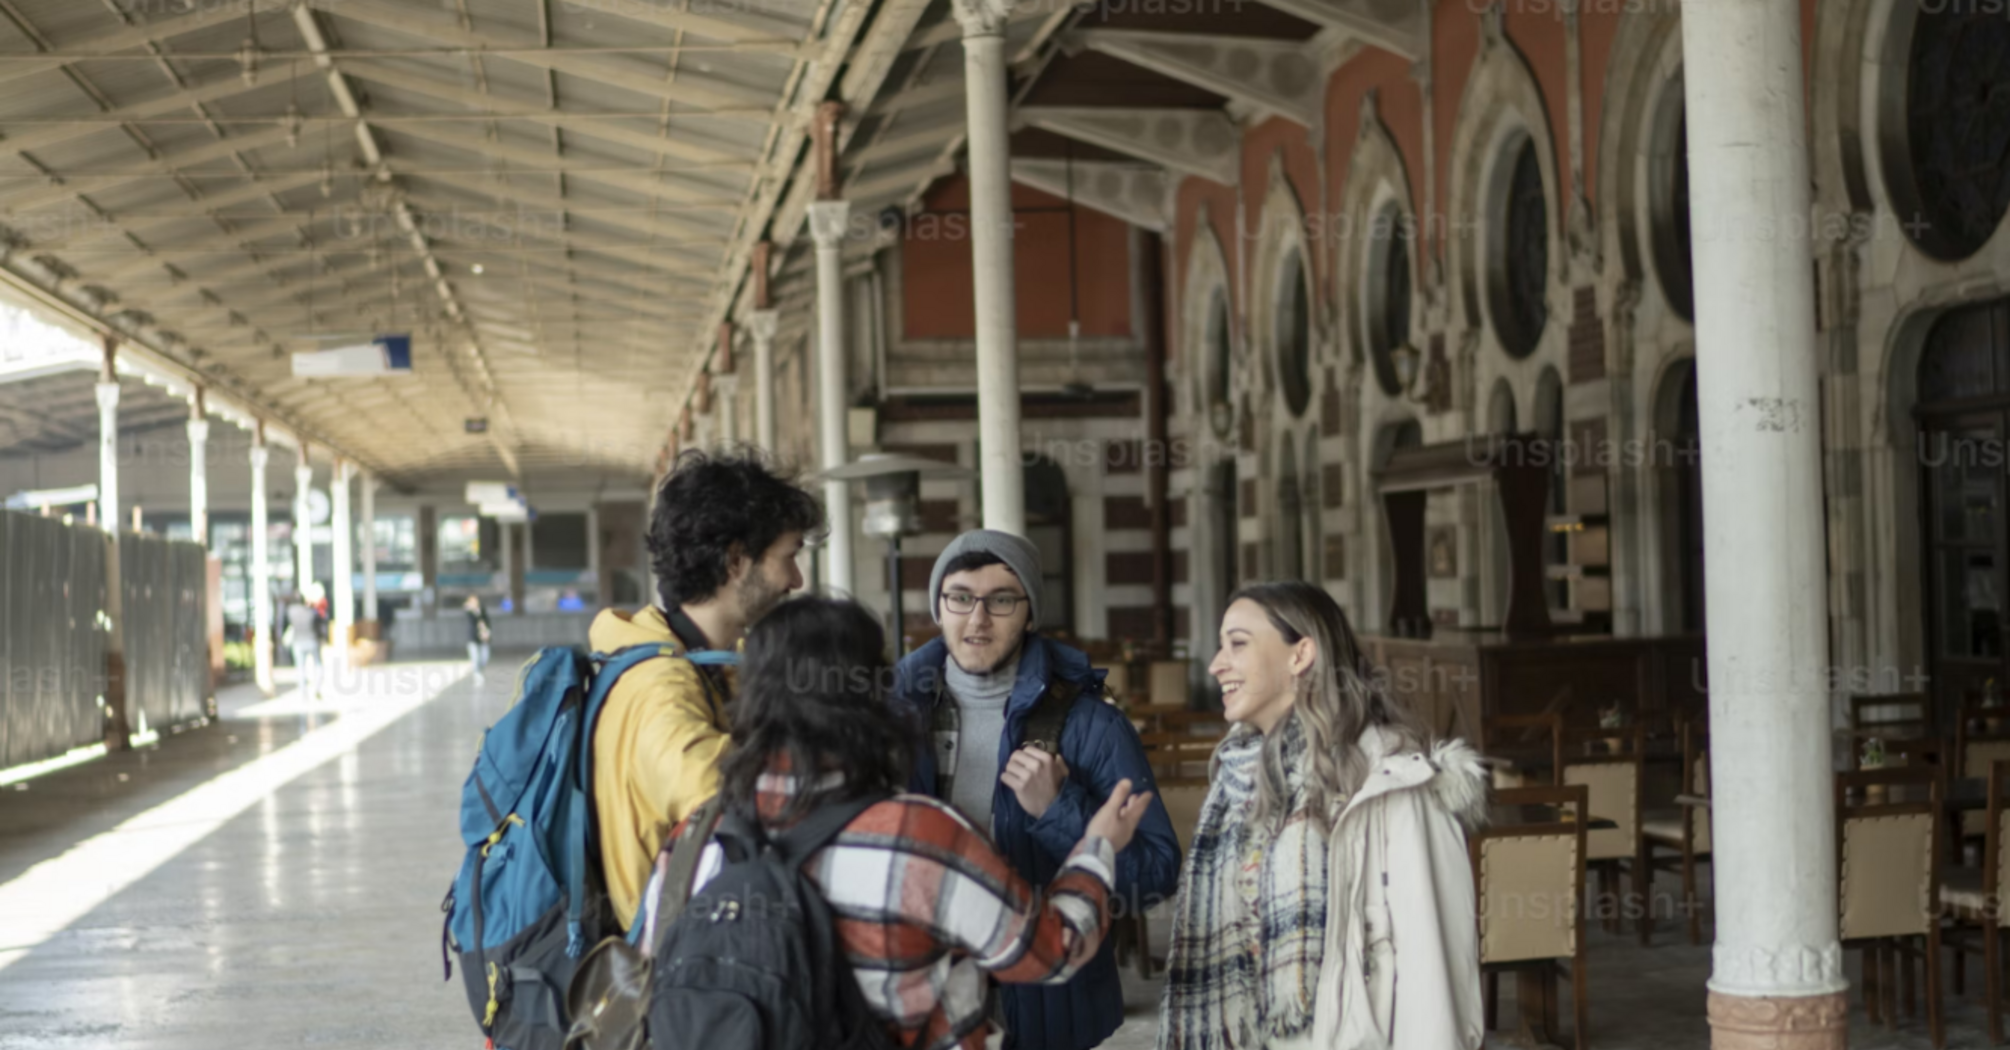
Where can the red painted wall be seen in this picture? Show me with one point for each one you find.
(1401, 103)
(1538, 32)
(940, 301)
(1455, 43)
(1301, 170)
(1597, 28)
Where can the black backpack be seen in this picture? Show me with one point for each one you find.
(753, 960)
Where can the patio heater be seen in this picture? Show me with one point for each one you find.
(893, 510)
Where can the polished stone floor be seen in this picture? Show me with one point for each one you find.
(296, 901)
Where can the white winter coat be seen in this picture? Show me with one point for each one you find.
(1401, 967)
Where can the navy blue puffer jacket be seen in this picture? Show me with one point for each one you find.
(1101, 748)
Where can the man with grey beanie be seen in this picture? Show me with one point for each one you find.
(975, 692)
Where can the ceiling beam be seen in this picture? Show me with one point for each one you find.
(728, 101)
(21, 196)
(199, 17)
(1396, 26)
(685, 147)
(1201, 142)
(310, 29)
(1271, 76)
(1138, 194)
(213, 90)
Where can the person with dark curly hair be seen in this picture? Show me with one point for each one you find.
(723, 538)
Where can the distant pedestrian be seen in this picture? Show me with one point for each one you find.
(478, 636)
(303, 636)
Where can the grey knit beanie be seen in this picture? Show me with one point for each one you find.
(1016, 552)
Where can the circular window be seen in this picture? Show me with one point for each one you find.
(1669, 191)
(1957, 121)
(1520, 284)
(1388, 297)
(1294, 334)
(1219, 364)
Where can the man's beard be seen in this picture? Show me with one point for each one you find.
(757, 596)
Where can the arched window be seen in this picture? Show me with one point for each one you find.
(1519, 256)
(1294, 333)
(1668, 195)
(1388, 299)
(1220, 365)
(1957, 127)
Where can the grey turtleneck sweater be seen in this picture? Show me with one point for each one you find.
(980, 721)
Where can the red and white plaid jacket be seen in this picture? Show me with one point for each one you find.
(926, 908)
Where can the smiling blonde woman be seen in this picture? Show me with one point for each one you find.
(1333, 832)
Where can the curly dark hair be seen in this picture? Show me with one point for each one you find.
(813, 691)
(712, 505)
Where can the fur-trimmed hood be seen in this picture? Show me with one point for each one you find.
(1450, 770)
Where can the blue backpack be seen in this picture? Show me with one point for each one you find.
(530, 898)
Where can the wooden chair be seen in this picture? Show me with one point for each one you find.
(1687, 833)
(1183, 801)
(1891, 715)
(1515, 745)
(1888, 833)
(1981, 739)
(1179, 757)
(1615, 780)
(1972, 897)
(1166, 684)
(1530, 884)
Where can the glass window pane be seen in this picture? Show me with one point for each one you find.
(1965, 466)
(1971, 606)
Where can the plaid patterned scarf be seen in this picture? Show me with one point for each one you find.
(1251, 916)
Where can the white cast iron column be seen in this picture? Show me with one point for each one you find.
(1777, 978)
(303, 529)
(108, 455)
(370, 549)
(261, 572)
(198, 479)
(827, 225)
(342, 611)
(1002, 479)
(761, 328)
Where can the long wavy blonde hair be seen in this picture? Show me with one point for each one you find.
(1338, 698)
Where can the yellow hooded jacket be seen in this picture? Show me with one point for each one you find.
(656, 752)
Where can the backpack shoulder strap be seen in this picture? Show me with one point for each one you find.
(823, 824)
(1050, 716)
(673, 891)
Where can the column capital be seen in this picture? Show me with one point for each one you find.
(198, 430)
(761, 325)
(828, 220)
(344, 471)
(983, 17)
(108, 394)
(259, 455)
(304, 474)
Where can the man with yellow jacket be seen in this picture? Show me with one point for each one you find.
(723, 539)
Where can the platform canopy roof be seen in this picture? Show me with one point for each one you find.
(557, 199)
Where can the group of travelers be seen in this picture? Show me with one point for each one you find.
(1326, 900)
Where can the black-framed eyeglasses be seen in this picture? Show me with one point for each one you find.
(997, 603)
